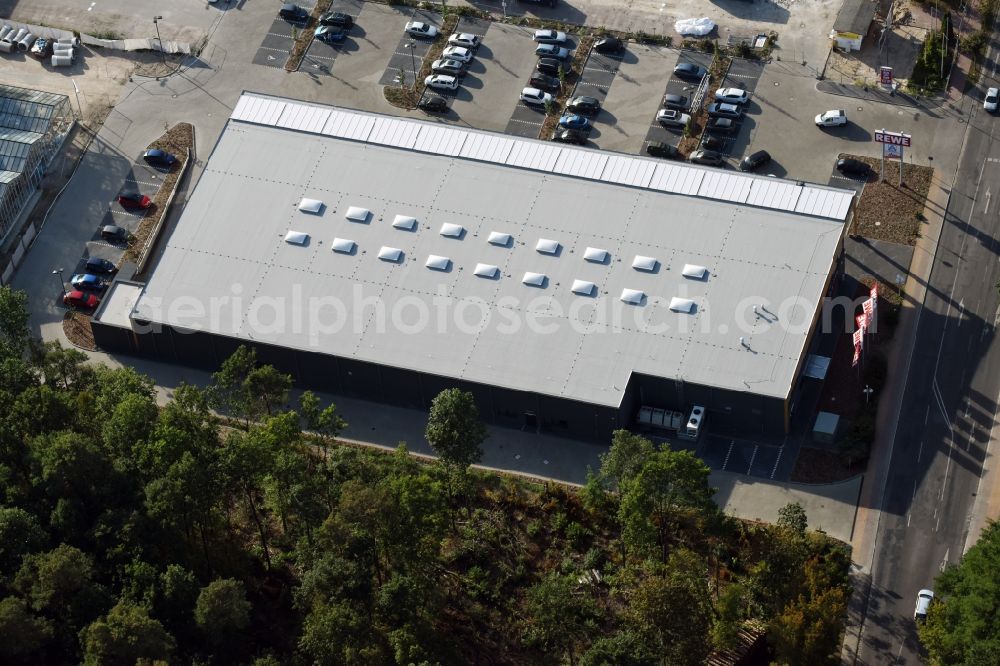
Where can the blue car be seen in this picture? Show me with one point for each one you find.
(330, 34)
(87, 282)
(574, 122)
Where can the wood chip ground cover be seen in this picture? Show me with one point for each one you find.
(888, 212)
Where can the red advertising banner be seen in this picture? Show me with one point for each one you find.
(869, 308)
(862, 322)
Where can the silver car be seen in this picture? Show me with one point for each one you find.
(448, 66)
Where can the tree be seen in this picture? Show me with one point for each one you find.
(963, 626)
(627, 455)
(222, 610)
(20, 535)
(326, 423)
(51, 580)
(808, 630)
(64, 367)
(25, 634)
(792, 517)
(624, 648)
(730, 612)
(245, 391)
(336, 633)
(454, 430)
(557, 619)
(125, 636)
(14, 334)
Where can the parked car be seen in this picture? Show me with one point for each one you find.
(448, 66)
(989, 102)
(848, 165)
(679, 102)
(337, 20)
(549, 37)
(290, 11)
(329, 34)
(583, 105)
(549, 3)
(457, 53)
(133, 199)
(159, 158)
(535, 96)
(834, 118)
(99, 266)
(755, 160)
(544, 81)
(114, 234)
(609, 44)
(573, 121)
(42, 48)
(720, 125)
(707, 157)
(441, 82)
(732, 95)
(573, 136)
(689, 70)
(432, 103)
(660, 149)
(468, 40)
(551, 51)
(924, 599)
(719, 110)
(87, 282)
(418, 29)
(551, 66)
(78, 299)
(711, 142)
(672, 118)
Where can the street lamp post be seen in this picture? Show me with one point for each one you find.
(413, 63)
(77, 91)
(62, 283)
(156, 24)
(867, 390)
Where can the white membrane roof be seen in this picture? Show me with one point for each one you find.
(766, 242)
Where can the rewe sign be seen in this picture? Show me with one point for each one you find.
(896, 139)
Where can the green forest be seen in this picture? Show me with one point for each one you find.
(137, 532)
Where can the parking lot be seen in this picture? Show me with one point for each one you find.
(740, 456)
(409, 51)
(745, 75)
(675, 86)
(277, 43)
(320, 56)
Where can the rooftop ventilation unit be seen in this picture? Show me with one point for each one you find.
(405, 222)
(499, 238)
(681, 304)
(436, 262)
(633, 296)
(546, 246)
(296, 238)
(343, 245)
(647, 264)
(534, 279)
(584, 288)
(452, 230)
(694, 272)
(357, 214)
(487, 270)
(310, 205)
(393, 254)
(596, 255)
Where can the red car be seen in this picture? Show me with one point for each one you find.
(78, 299)
(134, 200)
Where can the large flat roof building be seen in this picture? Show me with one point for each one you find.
(564, 286)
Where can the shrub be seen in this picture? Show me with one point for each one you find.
(576, 534)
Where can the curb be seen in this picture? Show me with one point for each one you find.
(155, 233)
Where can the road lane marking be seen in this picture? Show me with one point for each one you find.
(728, 453)
(944, 562)
(927, 414)
(920, 451)
(987, 208)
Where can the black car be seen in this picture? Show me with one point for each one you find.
(544, 81)
(707, 157)
(711, 142)
(551, 66)
(570, 136)
(114, 234)
(608, 44)
(293, 12)
(159, 158)
(549, 3)
(755, 161)
(99, 266)
(689, 70)
(337, 19)
(660, 149)
(679, 102)
(852, 166)
(583, 105)
(433, 104)
(720, 125)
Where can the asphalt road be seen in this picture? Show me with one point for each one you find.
(949, 408)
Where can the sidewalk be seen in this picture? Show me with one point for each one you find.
(869, 515)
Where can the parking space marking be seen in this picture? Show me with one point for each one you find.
(278, 39)
(677, 86)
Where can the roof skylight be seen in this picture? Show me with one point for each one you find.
(499, 238)
(641, 263)
(297, 238)
(678, 304)
(534, 279)
(584, 288)
(310, 205)
(452, 230)
(343, 245)
(546, 246)
(487, 270)
(357, 214)
(633, 296)
(405, 222)
(694, 271)
(393, 254)
(437, 263)
(596, 255)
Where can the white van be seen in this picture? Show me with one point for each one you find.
(924, 598)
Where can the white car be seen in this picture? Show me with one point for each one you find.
(549, 37)
(834, 118)
(672, 118)
(732, 95)
(441, 82)
(418, 29)
(992, 97)
(924, 598)
(535, 96)
(465, 39)
(459, 53)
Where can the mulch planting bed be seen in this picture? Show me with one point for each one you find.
(76, 326)
(888, 212)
